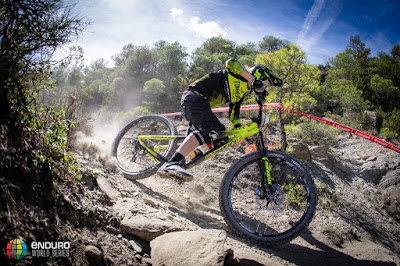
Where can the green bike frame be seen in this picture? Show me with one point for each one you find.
(237, 133)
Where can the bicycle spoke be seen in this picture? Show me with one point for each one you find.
(133, 159)
(268, 212)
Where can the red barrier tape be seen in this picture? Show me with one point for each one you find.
(337, 125)
(348, 129)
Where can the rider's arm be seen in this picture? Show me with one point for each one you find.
(237, 68)
(249, 77)
(234, 111)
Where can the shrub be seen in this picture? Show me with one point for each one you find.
(326, 198)
(313, 132)
(391, 125)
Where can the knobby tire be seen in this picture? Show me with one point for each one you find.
(277, 218)
(132, 159)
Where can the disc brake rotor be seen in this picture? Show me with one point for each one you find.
(270, 199)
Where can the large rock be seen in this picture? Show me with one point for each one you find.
(301, 151)
(94, 255)
(391, 202)
(201, 247)
(374, 171)
(143, 220)
(148, 226)
(321, 154)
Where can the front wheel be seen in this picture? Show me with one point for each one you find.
(132, 158)
(268, 215)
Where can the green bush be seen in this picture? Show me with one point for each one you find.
(326, 197)
(313, 132)
(295, 193)
(391, 125)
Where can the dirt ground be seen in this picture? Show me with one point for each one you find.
(353, 229)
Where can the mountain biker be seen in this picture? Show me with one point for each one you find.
(230, 85)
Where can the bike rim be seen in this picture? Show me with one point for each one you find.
(131, 156)
(274, 215)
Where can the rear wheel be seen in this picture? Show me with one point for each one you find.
(132, 159)
(268, 216)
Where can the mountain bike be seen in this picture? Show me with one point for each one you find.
(266, 196)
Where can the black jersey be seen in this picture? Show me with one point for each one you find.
(224, 86)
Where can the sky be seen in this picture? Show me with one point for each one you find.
(322, 28)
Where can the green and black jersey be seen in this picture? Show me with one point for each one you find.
(224, 86)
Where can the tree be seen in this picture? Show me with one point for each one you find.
(32, 139)
(120, 59)
(396, 52)
(353, 64)
(170, 61)
(154, 94)
(384, 94)
(211, 56)
(272, 44)
(299, 79)
(30, 33)
(338, 96)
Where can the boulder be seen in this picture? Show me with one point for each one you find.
(94, 255)
(391, 202)
(148, 226)
(374, 171)
(321, 154)
(300, 151)
(201, 247)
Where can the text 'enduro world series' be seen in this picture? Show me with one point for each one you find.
(266, 196)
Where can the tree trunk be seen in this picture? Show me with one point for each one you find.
(282, 125)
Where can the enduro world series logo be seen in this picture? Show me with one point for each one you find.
(17, 249)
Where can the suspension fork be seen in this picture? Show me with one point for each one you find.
(266, 182)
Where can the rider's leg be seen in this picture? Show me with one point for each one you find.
(197, 110)
(188, 145)
(172, 167)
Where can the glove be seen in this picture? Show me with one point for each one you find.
(278, 82)
(258, 85)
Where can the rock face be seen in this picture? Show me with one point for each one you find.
(322, 154)
(391, 202)
(94, 255)
(301, 151)
(201, 247)
(147, 227)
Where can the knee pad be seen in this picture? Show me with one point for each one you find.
(199, 137)
(208, 128)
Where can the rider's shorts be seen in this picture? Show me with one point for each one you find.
(197, 110)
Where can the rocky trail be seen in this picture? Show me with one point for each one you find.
(155, 221)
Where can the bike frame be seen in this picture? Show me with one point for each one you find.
(236, 135)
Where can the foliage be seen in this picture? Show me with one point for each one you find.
(337, 95)
(272, 44)
(299, 79)
(372, 84)
(353, 64)
(313, 132)
(33, 138)
(211, 56)
(353, 83)
(295, 193)
(391, 125)
(384, 93)
(327, 198)
(154, 92)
